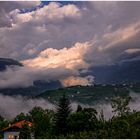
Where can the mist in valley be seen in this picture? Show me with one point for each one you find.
(11, 106)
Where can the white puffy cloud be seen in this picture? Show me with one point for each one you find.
(52, 11)
(42, 28)
(50, 65)
(7, 7)
(69, 58)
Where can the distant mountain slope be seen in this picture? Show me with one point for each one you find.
(4, 62)
(87, 94)
(36, 89)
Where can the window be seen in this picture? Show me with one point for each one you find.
(10, 136)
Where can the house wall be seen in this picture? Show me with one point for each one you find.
(11, 135)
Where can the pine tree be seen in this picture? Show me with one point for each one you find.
(79, 108)
(61, 116)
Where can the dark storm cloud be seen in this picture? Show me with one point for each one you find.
(111, 28)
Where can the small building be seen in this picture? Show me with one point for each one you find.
(13, 131)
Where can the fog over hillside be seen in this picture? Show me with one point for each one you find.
(10, 106)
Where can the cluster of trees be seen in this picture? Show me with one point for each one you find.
(84, 123)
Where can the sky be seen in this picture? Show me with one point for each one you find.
(62, 40)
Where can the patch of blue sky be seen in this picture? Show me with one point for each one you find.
(61, 2)
(43, 3)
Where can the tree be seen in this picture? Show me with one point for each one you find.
(119, 128)
(25, 132)
(41, 122)
(3, 123)
(83, 120)
(79, 108)
(61, 117)
(120, 105)
(20, 117)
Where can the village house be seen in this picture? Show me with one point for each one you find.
(13, 131)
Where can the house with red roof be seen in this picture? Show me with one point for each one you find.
(13, 131)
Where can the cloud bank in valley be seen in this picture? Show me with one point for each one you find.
(10, 106)
(56, 41)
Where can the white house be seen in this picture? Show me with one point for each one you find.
(13, 131)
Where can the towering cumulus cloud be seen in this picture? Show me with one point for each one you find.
(50, 64)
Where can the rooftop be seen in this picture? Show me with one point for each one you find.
(18, 125)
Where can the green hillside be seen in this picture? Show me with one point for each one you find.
(90, 94)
